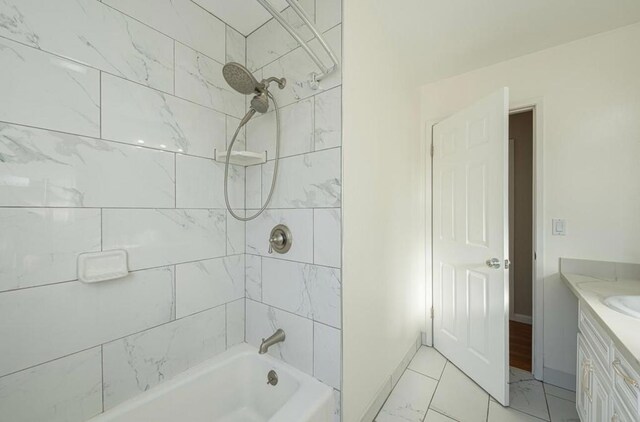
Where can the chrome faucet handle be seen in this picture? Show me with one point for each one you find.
(280, 239)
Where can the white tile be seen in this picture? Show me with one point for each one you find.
(182, 20)
(200, 183)
(409, 400)
(155, 237)
(453, 385)
(236, 47)
(271, 40)
(300, 222)
(205, 284)
(327, 237)
(428, 361)
(306, 181)
(139, 115)
(528, 397)
(93, 34)
(296, 130)
(517, 375)
(240, 143)
(337, 406)
(552, 390)
(253, 277)
(60, 319)
(35, 394)
(199, 79)
(296, 68)
(297, 349)
(307, 290)
(39, 89)
(433, 416)
(236, 238)
(328, 119)
(138, 362)
(562, 410)
(235, 322)
(497, 413)
(44, 168)
(327, 352)
(253, 192)
(40, 245)
(328, 14)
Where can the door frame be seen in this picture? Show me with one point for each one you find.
(537, 355)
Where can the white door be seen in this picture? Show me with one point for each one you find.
(470, 227)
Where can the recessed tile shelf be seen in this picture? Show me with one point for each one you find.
(241, 158)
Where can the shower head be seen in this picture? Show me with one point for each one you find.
(240, 79)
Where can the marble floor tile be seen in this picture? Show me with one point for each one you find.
(453, 385)
(562, 410)
(552, 390)
(528, 397)
(498, 413)
(433, 416)
(516, 375)
(428, 361)
(409, 400)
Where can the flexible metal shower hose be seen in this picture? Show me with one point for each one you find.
(275, 167)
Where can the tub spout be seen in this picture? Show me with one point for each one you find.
(276, 337)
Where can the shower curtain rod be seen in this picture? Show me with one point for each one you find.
(314, 82)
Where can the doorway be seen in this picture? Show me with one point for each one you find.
(521, 238)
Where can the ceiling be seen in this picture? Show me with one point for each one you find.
(243, 15)
(446, 38)
(440, 39)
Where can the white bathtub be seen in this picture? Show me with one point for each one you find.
(231, 387)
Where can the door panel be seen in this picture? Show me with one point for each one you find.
(470, 219)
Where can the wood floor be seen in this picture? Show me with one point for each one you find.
(520, 345)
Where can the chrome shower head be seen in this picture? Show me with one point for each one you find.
(240, 79)
(260, 102)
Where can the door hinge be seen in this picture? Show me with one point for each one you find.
(432, 312)
(431, 150)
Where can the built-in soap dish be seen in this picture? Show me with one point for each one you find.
(94, 267)
(241, 158)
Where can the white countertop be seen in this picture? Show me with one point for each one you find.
(623, 330)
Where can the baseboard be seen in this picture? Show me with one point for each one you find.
(525, 319)
(390, 382)
(559, 379)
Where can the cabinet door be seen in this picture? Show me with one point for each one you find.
(584, 381)
(600, 393)
(619, 412)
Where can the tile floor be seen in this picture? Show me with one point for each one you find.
(432, 389)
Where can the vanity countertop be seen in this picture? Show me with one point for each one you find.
(623, 330)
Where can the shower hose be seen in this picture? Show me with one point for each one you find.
(275, 167)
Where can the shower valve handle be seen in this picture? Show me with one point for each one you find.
(277, 240)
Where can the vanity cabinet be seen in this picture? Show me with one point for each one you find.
(608, 387)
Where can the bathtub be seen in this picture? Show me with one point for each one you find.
(231, 387)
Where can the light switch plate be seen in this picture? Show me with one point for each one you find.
(559, 227)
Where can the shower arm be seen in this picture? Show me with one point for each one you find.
(314, 82)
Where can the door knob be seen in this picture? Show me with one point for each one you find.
(493, 263)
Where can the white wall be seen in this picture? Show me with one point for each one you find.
(590, 92)
(299, 291)
(383, 247)
(110, 116)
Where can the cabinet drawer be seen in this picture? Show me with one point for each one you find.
(626, 383)
(596, 337)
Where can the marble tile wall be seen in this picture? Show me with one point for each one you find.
(109, 118)
(300, 291)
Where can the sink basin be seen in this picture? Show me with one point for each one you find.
(628, 305)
